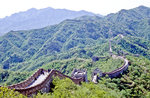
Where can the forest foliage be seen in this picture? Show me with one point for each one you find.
(72, 44)
(82, 37)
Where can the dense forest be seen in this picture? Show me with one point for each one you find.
(72, 44)
(82, 37)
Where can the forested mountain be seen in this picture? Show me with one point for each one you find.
(75, 38)
(73, 42)
(34, 18)
(138, 13)
(135, 22)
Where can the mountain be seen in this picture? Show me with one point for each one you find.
(123, 15)
(81, 37)
(74, 42)
(135, 22)
(34, 18)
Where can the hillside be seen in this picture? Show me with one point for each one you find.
(37, 18)
(82, 37)
(9, 77)
(133, 22)
(72, 44)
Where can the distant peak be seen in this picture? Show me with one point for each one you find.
(47, 8)
(83, 11)
(123, 10)
(142, 7)
(32, 9)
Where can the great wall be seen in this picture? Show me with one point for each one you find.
(41, 80)
(29, 87)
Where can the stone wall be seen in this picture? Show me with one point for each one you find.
(44, 86)
(118, 71)
(26, 82)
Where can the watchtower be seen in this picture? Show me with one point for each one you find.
(96, 74)
(79, 73)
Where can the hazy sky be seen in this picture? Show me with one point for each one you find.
(8, 7)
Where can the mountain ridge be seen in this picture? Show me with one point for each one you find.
(71, 38)
(74, 43)
(34, 18)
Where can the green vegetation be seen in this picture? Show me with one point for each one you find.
(7, 93)
(9, 77)
(109, 65)
(135, 83)
(67, 89)
(136, 46)
(82, 37)
(72, 44)
(67, 66)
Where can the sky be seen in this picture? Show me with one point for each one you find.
(103, 7)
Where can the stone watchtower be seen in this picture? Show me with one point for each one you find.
(79, 73)
(96, 74)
